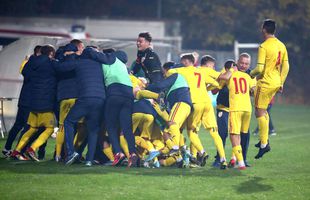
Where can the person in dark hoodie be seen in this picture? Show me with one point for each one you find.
(23, 108)
(67, 93)
(119, 105)
(42, 77)
(91, 96)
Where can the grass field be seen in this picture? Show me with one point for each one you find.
(282, 174)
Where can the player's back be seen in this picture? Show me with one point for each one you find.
(239, 86)
(196, 82)
(272, 54)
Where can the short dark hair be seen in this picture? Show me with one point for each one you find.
(108, 50)
(92, 46)
(76, 42)
(206, 58)
(168, 65)
(47, 49)
(37, 49)
(189, 57)
(228, 64)
(146, 35)
(270, 26)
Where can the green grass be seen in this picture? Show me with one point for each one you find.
(282, 174)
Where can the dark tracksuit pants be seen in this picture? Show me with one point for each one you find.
(222, 122)
(118, 116)
(91, 109)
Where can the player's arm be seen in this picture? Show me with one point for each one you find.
(252, 85)
(225, 76)
(211, 83)
(163, 85)
(285, 68)
(66, 66)
(104, 58)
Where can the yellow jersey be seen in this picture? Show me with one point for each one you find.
(207, 71)
(196, 81)
(272, 54)
(136, 82)
(239, 86)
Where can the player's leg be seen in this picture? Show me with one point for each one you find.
(79, 110)
(125, 120)
(263, 97)
(146, 94)
(235, 123)
(222, 122)
(272, 130)
(193, 123)
(245, 135)
(124, 145)
(46, 120)
(209, 122)
(179, 113)
(65, 106)
(93, 123)
(33, 122)
(20, 122)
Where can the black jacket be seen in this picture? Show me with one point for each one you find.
(149, 61)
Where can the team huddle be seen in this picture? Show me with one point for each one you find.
(138, 115)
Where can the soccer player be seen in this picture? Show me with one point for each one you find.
(119, 104)
(43, 82)
(147, 59)
(89, 104)
(239, 85)
(271, 71)
(202, 108)
(178, 98)
(23, 109)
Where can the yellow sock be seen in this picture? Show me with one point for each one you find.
(193, 150)
(142, 143)
(182, 140)
(42, 138)
(238, 153)
(174, 131)
(158, 144)
(124, 145)
(146, 94)
(263, 126)
(218, 142)
(24, 140)
(109, 153)
(60, 138)
(195, 140)
(80, 136)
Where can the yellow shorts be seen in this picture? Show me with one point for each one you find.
(65, 107)
(239, 122)
(203, 113)
(179, 113)
(263, 96)
(144, 122)
(44, 119)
